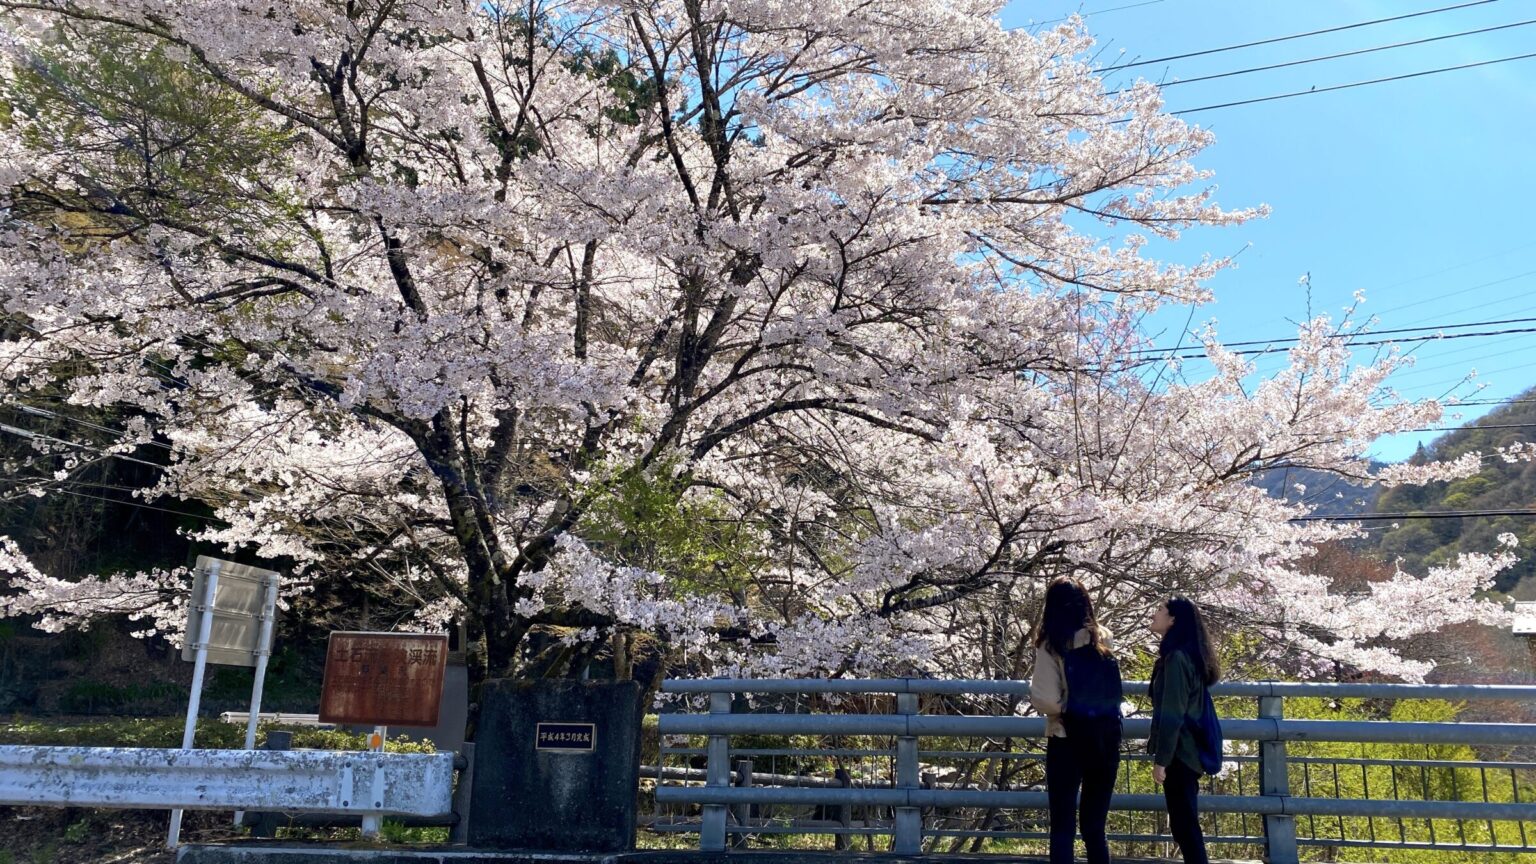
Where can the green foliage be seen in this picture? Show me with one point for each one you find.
(633, 95)
(1405, 781)
(166, 732)
(86, 696)
(654, 521)
(290, 680)
(179, 146)
(77, 832)
(393, 832)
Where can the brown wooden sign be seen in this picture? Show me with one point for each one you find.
(383, 679)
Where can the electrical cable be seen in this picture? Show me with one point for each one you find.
(1353, 84)
(1342, 54)
(1432, 514)
(1276, 39)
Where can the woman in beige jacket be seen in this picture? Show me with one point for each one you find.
(1081, 754)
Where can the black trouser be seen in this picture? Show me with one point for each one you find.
(1181, 792)
(1088, 761)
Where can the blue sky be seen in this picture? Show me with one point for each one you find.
(1417, 192)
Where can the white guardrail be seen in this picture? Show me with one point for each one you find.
(295, 781)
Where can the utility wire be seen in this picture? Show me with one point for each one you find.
(28, 433)
(143, 506)
(1493, 402)
(1431, 514)
(1473, 426)
(1441, 297)
(1434, 327)
(1427, 337)
(1275, 39)
(1353, 84)
(43, 412)
(1483, 373)
(1356, 52)
(1098, 12)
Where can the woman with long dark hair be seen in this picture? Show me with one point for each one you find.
(1186, 666)
(1082, 752)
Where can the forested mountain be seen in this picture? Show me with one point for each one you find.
(1329, 494)
(1500, 485)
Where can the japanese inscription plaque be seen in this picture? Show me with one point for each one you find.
(383, 679)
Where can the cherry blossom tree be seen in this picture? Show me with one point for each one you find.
(773, 338)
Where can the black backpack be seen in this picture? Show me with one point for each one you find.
(1208, 738)
(1094, 690)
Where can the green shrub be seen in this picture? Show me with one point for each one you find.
(166, 732)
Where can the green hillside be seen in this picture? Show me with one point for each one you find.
(1500, 485)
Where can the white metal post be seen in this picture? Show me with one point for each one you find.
(909, 820)
(371, 824)
(717, 768)
(263, 651)
(1274, 779)
(199, 667)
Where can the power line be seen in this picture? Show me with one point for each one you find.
(1099, 12)
(1441, 297)
(1364, 343)
(1481, 352)
(1454, 267)
(1275, 39)
(1430, 514)
(1479, 373)
(1496, 301)
(1473, 426)
(1437, 328)
(1494, 402)
(142, 506)
(43, 412)
(1486, 352)
(1337, 56)
(1354, 84)
(28, 433)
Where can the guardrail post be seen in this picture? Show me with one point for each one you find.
(742, 812)
(717, 773)
(843, 841)
(372, 823)
(461, 794)
(1274, 779)
(265, 824)
(909, 820)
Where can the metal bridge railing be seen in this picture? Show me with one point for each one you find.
(863, 774)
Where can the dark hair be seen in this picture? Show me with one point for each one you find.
(1067, 609)
(1188, 634)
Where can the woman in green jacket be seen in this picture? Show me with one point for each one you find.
(1186, 665)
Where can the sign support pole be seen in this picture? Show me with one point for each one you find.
(372, 823)
(263, 652)
(199, 668)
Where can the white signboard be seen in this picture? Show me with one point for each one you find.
(229, 621)
(234, 638)
(1525, 619)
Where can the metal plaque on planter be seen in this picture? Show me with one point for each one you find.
(383, 679)
(570, 737)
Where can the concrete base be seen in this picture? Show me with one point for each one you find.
(334, 853)
(339, 853)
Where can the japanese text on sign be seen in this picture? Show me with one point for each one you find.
(384, 679)
(565, 736)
